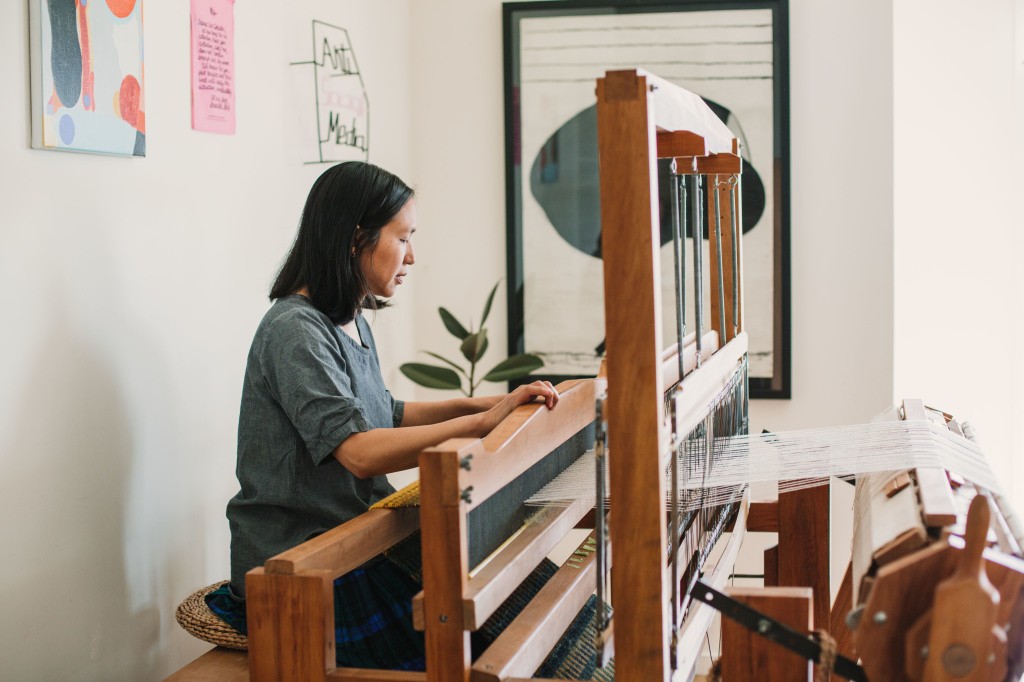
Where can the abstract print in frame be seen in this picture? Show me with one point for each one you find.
(87, 76)
(734, 55)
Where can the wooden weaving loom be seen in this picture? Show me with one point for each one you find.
(471, 491)
(290, 607)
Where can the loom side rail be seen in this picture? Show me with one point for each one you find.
(349, 545)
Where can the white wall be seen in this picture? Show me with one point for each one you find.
(841, 197)
(130, 289)
(957, 291)
(1017, 247)
(460, 167)
(131, 297)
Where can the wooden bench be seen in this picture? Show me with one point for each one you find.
(220, 664)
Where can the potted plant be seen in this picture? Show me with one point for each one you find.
(473, 345)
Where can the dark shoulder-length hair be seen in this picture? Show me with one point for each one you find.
(345, 197)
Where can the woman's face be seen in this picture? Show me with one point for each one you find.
(387, 264)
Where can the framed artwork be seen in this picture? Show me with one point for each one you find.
(734, 55)
(87, 76)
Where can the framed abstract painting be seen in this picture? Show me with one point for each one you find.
(734, 55)
(87, 76)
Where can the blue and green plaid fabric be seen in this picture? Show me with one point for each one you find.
(373, 619)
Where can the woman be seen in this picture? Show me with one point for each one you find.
(318, 430)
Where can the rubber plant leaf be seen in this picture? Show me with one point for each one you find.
(447, 362)
(431, 376)
(453, 325)
(487, 307)
(474, 345)
(514, 367)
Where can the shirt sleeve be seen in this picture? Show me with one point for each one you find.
(397, 410)
(306, 371)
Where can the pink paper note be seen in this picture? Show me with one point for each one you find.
(213, 66)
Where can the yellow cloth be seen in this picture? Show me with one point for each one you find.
(409, 496)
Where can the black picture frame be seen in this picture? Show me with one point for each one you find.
(560, 15)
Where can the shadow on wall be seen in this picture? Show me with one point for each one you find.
(66, 610)
(101, 535)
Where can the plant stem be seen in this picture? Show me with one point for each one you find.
(472, 371)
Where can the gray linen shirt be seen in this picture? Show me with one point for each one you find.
(308, 386)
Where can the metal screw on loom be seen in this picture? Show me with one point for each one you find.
(853, 618)
(880, 617)
(763, 626)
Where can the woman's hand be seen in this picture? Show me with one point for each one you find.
(520, 396)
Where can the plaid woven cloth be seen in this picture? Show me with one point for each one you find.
(372, 618)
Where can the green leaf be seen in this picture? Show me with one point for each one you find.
(446, 360)
(514, 367)
(487, 307)
(474, 345)
(453, 325)
(431, 376)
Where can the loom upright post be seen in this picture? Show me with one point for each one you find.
(630, 244)
(445, 565)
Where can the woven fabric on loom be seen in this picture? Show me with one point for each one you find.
(572, 658)
(409, 496)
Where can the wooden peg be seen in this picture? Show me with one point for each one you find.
(964, 611)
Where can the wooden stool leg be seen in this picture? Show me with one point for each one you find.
(749, 657)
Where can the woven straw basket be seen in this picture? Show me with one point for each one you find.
(199, 621)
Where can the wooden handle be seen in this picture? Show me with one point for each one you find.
(974, 537)
(964, 611)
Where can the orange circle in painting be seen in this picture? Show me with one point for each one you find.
(121, 8)
(128, 99)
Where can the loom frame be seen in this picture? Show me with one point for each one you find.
(290, 598)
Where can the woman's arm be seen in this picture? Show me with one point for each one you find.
(418, 414)
(383, 451)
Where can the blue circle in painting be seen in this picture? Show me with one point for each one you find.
(84, 2)
(67, 129)
(86, 101)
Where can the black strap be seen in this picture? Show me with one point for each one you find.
(773, 630)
